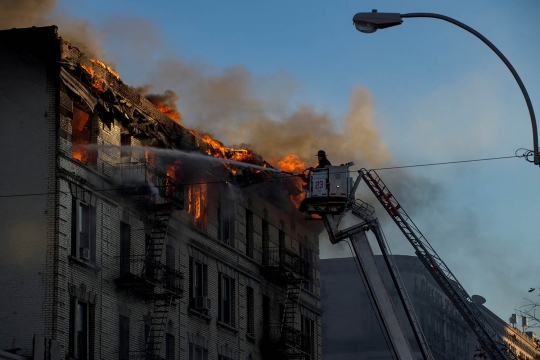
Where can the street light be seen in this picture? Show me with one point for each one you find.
(370, 22)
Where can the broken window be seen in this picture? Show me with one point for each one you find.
(198, 205)
(82, 135)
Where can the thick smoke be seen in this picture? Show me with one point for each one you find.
(165, 102)
(27, 13)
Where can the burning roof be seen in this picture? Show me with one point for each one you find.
(153, 122)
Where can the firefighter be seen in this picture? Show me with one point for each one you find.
(323, 161)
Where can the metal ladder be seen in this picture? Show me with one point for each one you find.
(491, 341)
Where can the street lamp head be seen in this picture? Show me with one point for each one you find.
(369, 22)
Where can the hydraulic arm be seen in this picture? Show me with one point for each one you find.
(490, 340)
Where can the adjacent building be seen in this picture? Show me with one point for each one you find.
(360, 337)
(112, 249)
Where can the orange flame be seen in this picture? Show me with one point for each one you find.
(106, 67)
(197, 204)
(173, 114)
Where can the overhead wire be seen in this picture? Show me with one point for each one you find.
(527, 154)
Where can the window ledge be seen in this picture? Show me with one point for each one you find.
(227, 326)
(84, 265)
(251, 337)
(200, 314)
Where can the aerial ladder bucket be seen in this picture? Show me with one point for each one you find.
(330, 192)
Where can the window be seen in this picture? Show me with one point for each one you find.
(198, 283)
(83, 228)
(226, 300)
(197, 352)
(79, 329)
(169, 346)
(250, 315)
(82, 127)
(266, 241)
(266, 316)
(198, 205)
(125, 248)
(225, 215)
(305, 254)
(308, 328)
(249, 233)
(125, 150)
(123, 339)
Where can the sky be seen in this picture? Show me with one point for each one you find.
(426, 92)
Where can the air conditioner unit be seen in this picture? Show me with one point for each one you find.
(84, 253)
(203, 303)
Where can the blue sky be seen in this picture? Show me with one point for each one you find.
(439, 94)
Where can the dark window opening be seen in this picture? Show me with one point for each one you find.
(125, 248)
(249, 233)
(83, 231)
(81, 326)
(125, 150)
(225, 216)
(169, 347)
(226, 310)
(198, 285)
(123, 339)
(250, 315)
(197, 353)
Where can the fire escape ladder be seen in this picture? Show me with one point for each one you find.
(161, 214)
(491, 341)
(291, 338)
(160, 316)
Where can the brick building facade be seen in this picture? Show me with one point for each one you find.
(113, 252)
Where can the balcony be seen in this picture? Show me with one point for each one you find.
(285, 343)
(148, 186)
(149, 277)
(283, 265)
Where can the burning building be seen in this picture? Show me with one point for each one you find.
(120, 240)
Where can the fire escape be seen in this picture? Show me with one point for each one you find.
(156, 195)
(287, 269)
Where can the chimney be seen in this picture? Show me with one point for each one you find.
(531, 334)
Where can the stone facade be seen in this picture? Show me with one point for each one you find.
(98, 269)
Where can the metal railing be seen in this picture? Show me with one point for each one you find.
(145, 268)
(287, 260)
(148, 184)
(287, 337)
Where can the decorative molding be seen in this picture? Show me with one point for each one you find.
(82, 194)
(81, 293)
(197, 255)
(224, 269)
(124, 310)
(198, 340)
(226, 351)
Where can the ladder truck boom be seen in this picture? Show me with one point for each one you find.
(490, 340)
(331, 192)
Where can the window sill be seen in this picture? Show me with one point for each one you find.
(200, 314)
(227, 326)
(84, 265)
(251, 337)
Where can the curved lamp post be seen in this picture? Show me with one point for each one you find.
(370, 22)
